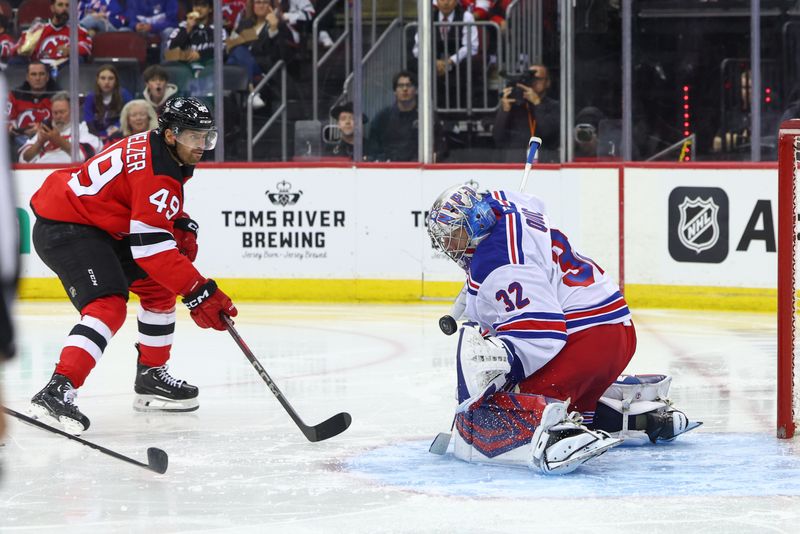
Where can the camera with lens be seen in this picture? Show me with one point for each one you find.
(524, 78)
(585, 133)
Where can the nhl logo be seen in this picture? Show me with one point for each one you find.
(698, 228)
(284, 195)
(698, 224)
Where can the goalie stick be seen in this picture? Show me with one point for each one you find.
(157, 459)
(327, 429)
(447, 323)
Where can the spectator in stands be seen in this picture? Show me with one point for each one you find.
(526, 110)
(137, 117)
(101, 16)
(343, 114)
(298, 15)
(493, 10)
(394, 135)
(453, 45)
(232, 11)
(7, 43)
(587, 126)
(49, 43)
(152, 17)
(103, 106)
(29, 104)
(260, 41)
(52, 142)
(328, 23)
(733, 138)
(192, 42)
(157, 88)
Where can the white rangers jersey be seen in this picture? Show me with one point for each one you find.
(531, 289)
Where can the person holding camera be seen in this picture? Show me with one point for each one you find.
(526, 110)
(52, 140)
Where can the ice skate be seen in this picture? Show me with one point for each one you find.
(55, 405)
(561, 443)
(666, 425)
(157, 390)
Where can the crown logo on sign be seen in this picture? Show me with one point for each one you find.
(284, 195)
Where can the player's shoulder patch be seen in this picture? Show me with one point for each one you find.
(491, 253)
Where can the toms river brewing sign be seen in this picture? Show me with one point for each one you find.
(283, 229)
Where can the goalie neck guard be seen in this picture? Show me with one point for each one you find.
(458, 221)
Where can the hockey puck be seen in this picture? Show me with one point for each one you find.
(448, 325)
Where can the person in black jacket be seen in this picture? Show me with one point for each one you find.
(259, 42)
(394, 134)
(526, 110)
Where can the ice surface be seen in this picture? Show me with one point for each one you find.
(239, 464)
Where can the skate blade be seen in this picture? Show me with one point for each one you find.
(155, 403)
(67, 424)
(571, 464)
(691, 425)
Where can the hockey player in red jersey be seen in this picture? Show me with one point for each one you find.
(548, 335)
(116, 224)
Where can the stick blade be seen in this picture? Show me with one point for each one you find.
(328, 428)
(157, 460)
(440, 443)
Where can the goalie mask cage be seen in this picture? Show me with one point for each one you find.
(788, 350)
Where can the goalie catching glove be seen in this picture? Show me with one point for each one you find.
(206, 303)
(185, 233)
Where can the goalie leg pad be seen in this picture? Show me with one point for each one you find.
(561, 443)
(644, 408)
(481, 364)
(499, 429)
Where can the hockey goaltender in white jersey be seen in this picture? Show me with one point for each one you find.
(547, 336)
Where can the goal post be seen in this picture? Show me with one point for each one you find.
(788, 389)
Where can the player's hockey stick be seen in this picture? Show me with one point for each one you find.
(447, 323)
(324, 430)
(157, 459)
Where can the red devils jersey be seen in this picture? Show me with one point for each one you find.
(132, 188)
(52, 40)
(26, 109)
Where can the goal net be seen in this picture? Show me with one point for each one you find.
(788, 350)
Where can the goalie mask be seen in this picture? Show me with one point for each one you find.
(458, 221)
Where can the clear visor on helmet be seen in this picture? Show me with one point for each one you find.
(193, 139)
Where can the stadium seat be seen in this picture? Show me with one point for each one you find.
(180, 74)
(15, 75)
(29, 10)
(86, 79)
(8, 11)
(120, 45)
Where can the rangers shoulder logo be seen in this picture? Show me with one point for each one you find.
(698, 228)
(284, 196)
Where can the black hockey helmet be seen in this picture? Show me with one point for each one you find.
(187, 113)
